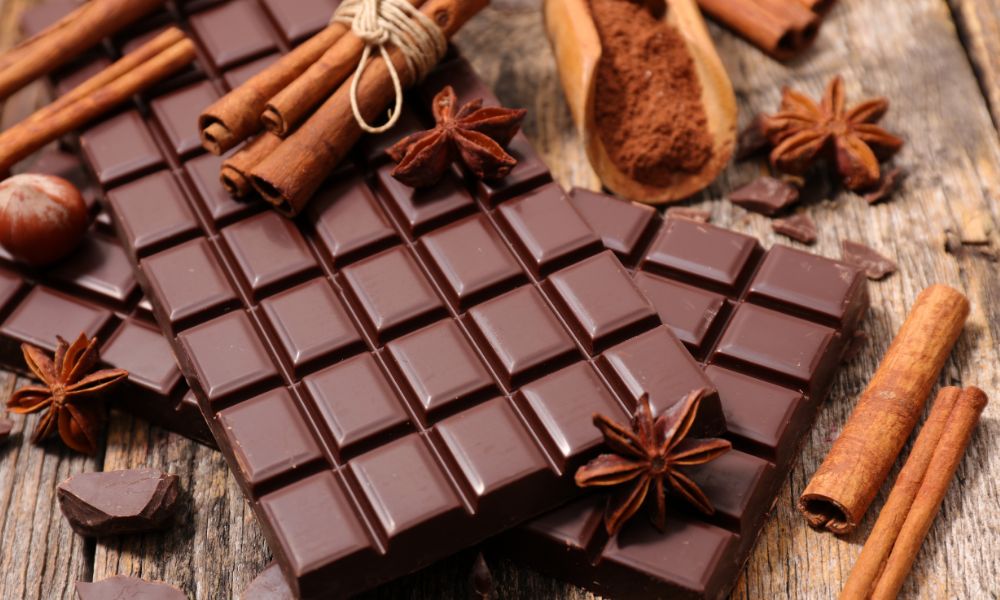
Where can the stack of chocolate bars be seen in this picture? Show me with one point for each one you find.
(397, 375)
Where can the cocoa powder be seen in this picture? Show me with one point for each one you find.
(648, 107)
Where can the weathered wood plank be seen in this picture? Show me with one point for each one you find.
(908, 51)
(40, 556)
(979, 23)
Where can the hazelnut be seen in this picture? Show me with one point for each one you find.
(42, 218)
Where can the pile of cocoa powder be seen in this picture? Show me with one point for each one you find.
(648, 106)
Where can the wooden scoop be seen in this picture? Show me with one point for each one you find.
(577, 47)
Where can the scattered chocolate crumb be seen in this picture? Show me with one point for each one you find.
(765, 195)
(887, 185)
(269, 584)
(856, 345)
(751, 140)
(481, 579)
(691, 214)
(800, 227)
(118, 502)
(118, 587)
(874, 264)
(6, 425)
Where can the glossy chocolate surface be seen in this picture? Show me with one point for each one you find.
(362, 406)
(429, 304)
(766, 330)
(95, 291)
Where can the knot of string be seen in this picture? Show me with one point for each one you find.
(380, 23)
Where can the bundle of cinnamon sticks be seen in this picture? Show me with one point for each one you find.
(139, 70)
(299, 114)
(859, 462)
(782, 28)
(66, 39)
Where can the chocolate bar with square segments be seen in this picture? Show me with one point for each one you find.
(432, 301)
(348, 433)
(94, 291)
(768, 333)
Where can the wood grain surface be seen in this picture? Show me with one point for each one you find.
(939, 63)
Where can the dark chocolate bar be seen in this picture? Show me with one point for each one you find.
(768, 329)
(765, 421)
(94, 291)
(281, 326)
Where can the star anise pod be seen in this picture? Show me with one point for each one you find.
(648, 455)
(473, 134)
(803, 132)
(68, 385)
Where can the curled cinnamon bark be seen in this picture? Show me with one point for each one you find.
(848, 480)
(290, 176)
(782, 28)
(236, 116)
(293, 104)
(153, 62)
(916, 496)
(236, 169)
(66, 39)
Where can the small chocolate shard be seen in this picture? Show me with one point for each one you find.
(856, 346)
(765, 195)
(270, 584)
(871, 262)
(6, 426)
(887, 185)
(957, 247)
(751, 139)
(118, 502)
(691, 214)
(121, 587)
(799, 227)
(481, 580)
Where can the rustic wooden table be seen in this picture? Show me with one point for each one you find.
(939, 62)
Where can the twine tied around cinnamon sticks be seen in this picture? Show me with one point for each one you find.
(310, 115)
(382, 22)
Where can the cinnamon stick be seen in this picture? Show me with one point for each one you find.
(854, 470)
(927, 501)
(820, 7)
(235, 174)
(290, 176)
(91, 99)
(127, 63)
(781, 28)
(66, 39)
(292, 105)
(916, 496)
(236, 116)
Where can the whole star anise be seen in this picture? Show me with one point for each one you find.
(649, 456)
(473, 134)
(803, 132)
(68, 381)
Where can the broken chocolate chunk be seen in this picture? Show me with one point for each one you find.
(118, 502)
(887, 184)
(800, 228)
(765, 195)
(6, 425)
(481, 579)
(871, 262)
(855, 346)
(691, 214)
(269, 584)
(752, 140)
(120, 587)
